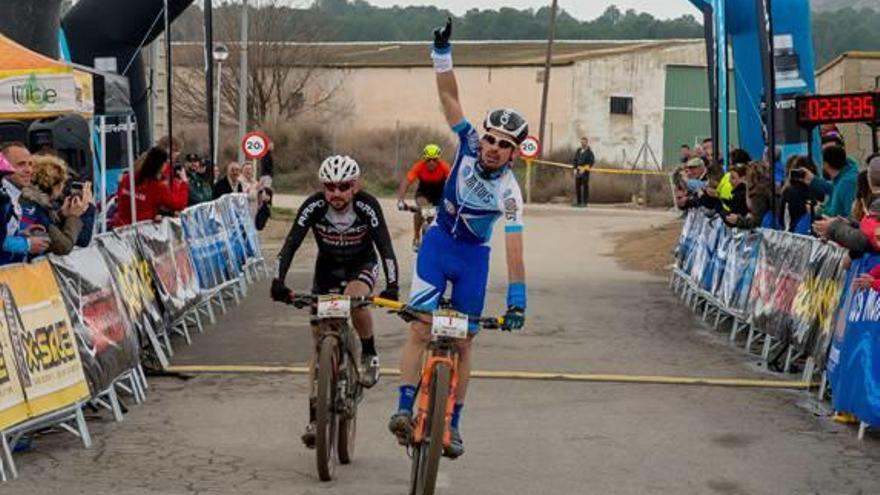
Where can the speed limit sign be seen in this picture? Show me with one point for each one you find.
(255, 145)
(530, 148)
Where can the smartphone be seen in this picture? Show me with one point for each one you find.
(76, 188)
(798, 174)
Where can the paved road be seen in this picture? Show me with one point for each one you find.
(234, 434)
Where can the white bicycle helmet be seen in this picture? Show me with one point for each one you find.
(508, 121)
(339, 168)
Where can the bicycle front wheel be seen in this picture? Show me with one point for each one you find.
(327, 419)
(348, 421)
(426, 457)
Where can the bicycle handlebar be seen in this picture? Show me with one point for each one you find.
(406, 312)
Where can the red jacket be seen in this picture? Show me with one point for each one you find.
(150, 195)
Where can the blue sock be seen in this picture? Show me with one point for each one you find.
(407, 398)
(456, 415)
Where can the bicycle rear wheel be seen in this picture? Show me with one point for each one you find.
(327, 419)
(426, 456)
(348, 419)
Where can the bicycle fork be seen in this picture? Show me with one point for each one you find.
(424, 398)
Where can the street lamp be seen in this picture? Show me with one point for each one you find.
(220, 54)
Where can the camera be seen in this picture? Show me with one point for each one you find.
(798, 175)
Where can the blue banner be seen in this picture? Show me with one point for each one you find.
(854, 360)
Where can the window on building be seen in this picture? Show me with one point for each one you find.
(622, 105)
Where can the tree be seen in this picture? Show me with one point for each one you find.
(285, 80)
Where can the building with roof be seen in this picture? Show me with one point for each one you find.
(611, 91)
(852, 72)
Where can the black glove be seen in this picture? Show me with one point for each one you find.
(442, 34)
(392, 293)
(280, 292)
(514, 319)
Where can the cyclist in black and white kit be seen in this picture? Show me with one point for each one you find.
(349, 229)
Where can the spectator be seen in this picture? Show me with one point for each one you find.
(696, 181)
(152, 192)
(740, 156)
(6, 208)
(864, 236)
(200, 189)
(173, 151)
(799, 201)
(250, 186)
(267, 165)
(758, 198)
(841, 190)
(583, 161)
(707, 152)
(18, 244)
(684, 154)
(264, 211)
(738, 203)
(230, 183)
(63, 224)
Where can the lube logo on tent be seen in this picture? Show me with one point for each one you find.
(33, 94)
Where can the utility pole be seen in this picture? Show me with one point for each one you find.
(546, 90)
(243, 79)
(168, 93)
(209, 80)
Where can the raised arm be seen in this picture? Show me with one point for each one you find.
(447, 86)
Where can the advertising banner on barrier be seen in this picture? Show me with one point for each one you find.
(233, 232)
(188, 284)
(686, 240)
(854, 360)
(203, 252)
(52, 373)
(13, 409)
(155, 244)
(136, 291)
(817, 297)
(252, 236)
(781, 265)
(742, 260)
(108, 343)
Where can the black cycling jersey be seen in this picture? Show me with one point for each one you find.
(346, 239)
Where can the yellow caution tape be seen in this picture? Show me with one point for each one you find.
(529, 375)
(602, 170)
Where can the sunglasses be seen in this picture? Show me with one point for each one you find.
(341, 187)
(502, 143)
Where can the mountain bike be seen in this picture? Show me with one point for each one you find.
(438, 384)
(337, 378)
(428, 213)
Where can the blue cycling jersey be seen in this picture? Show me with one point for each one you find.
(475, 198)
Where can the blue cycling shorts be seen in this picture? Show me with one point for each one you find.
(442, 259)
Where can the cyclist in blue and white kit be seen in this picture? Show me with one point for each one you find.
(480, 189)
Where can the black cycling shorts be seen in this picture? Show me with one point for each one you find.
(332, 279)
(432, 192)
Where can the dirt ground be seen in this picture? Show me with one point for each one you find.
(648, 249)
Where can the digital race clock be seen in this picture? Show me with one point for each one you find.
(838, 109)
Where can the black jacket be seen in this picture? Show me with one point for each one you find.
(344, 239)
(584, 157)
(223, 187)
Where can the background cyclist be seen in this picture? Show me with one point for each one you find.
(349, 228)
(431, 172)
(480, 190)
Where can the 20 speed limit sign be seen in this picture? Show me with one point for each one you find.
(255, 145)
(530, 148)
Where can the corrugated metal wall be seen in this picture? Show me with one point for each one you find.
(686, 113)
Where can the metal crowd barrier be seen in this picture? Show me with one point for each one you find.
(789, 299)
(111, 308)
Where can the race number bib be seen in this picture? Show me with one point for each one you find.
(334, 306)
(449, 324)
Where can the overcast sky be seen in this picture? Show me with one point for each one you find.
(581, 9)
